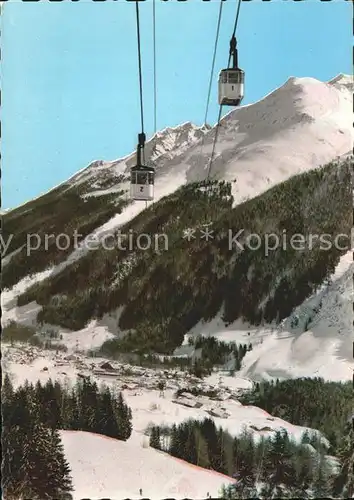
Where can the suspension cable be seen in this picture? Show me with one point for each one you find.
(211, 76)
(236, 20)
(154, 51)
(214, 142)
(213, 63)
(140, 72)
(220, 110)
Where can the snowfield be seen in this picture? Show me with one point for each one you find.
(103, 467)
(288, 351)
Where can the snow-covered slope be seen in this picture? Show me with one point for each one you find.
(103, 467)
(315, 341)
(325, 348)
(301, 125)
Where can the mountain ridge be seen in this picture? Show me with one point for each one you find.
(342, 81)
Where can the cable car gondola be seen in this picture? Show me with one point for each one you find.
(231, 80)
(141, 177)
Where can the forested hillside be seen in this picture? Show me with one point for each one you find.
(166, 290)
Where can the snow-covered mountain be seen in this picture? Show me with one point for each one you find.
(105, 467)
(301, 125)
(296, 128)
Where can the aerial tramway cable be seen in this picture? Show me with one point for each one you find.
(139, 63)
(154, 56)
(213, 63)
(211, 75)
(141, 176)
(220, 110)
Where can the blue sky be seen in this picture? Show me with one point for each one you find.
(70, 76)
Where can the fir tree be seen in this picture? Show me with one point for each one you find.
(155, 438)
(88, 405)
(202, 449)
(53, 396)
(124, 418)
(280, 467)
(175, 448)
(209, 432)
(7, 390)
(190, 446)
(321, 486)
(303, 460)
(245, 471)
(33, 462)
(344, 483)
(58, 468)
(106, 419)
